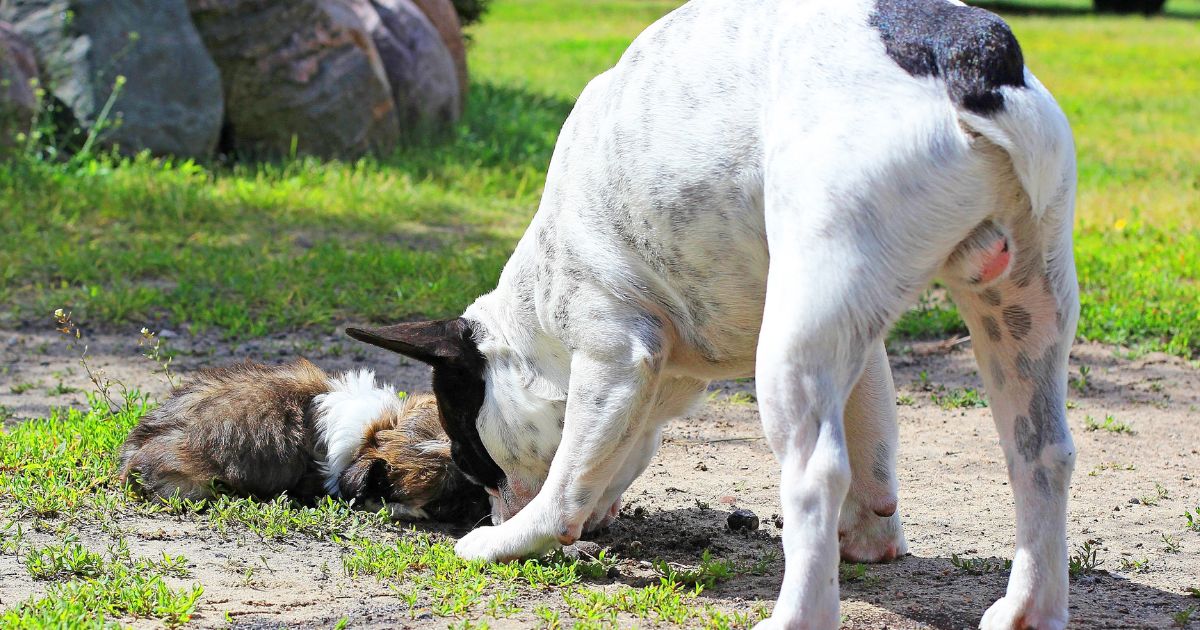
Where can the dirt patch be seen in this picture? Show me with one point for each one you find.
(955, 498)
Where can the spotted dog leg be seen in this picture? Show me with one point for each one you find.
(1022, 325)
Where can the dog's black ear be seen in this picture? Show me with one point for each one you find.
(438, 342)
(366, 478)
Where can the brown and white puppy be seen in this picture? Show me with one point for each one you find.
(262, 431)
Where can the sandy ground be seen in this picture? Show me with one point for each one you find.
(954, 494)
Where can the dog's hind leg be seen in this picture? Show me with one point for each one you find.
(1022, 326)
(869, 529)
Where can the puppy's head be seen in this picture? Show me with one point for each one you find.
(503, 418)
(405, 465)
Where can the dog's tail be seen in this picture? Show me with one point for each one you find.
(1035, 133)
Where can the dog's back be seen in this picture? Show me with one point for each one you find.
(245, 429)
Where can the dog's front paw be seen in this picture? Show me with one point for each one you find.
(864, 536)
(1010, 614)
(490, 544)
(502, 543)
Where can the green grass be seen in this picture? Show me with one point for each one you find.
(1109, 424)
(92, 589)
(58, 478)
(958, 398)
(250, 249)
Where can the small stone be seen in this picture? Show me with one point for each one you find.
(582, 550)
(778, 522)
(742, 520)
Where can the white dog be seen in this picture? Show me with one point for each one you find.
(763, 187)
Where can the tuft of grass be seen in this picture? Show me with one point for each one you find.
(62, 390)
(91, 588)
(742, 398)
(436, 581)
(21, 388)
(855, 572)
(1183, 617)
(959, 398)
(1110, 466)
(706, 575)
(980, 566)
(1110, 424)
(1081, 383)
(1193, 520)
(1130, 565)
(1084, 561)
(1160, 493)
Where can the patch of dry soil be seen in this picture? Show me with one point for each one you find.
(954, 494)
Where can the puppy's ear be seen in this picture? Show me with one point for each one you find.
(366, 478)
(438, 342)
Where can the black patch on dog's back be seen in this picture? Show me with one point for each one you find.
(970, 49)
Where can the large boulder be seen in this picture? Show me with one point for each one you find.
(419, 68)
(300, 76)
(170, 101)
(18, 103)
(445, 19)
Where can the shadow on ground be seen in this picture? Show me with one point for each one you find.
(1006, 7)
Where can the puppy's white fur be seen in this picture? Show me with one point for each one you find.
(353, 402)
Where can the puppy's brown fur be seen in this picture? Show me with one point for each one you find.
(250, 430)
(405, 461)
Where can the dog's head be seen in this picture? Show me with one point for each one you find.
(504, 420)
(404, 463)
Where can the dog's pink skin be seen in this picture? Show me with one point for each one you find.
(996, 263)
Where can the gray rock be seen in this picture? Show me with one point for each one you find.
(419, 68)
(445, 19)
(18, 103)
(300, 75)
(171, 100)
